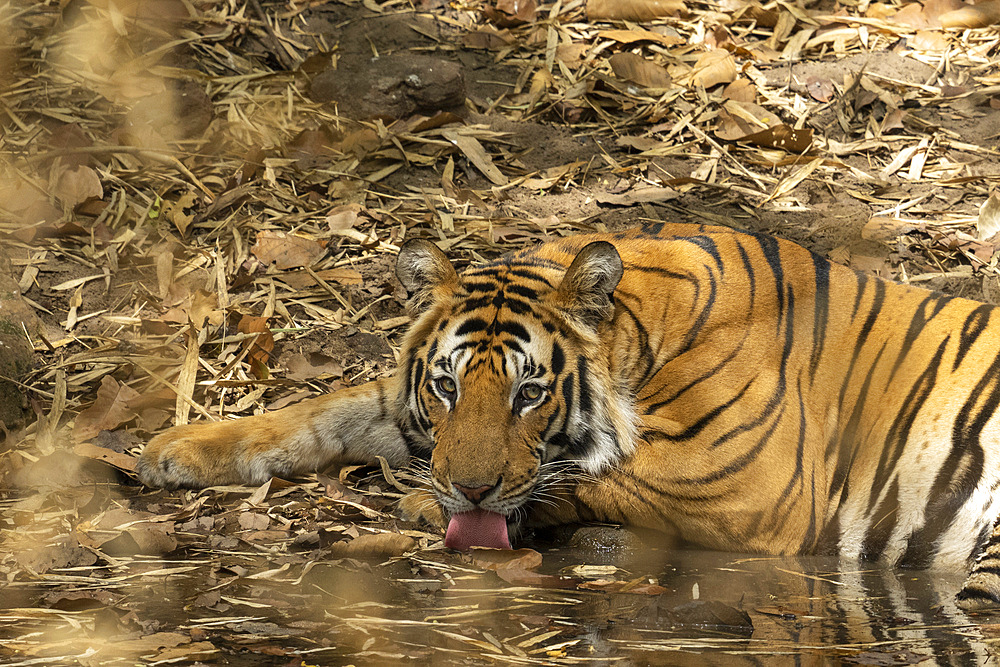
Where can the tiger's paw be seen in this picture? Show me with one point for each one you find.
(422, 505)
(196, 455)
(980, 591)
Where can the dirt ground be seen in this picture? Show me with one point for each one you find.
(201, 202)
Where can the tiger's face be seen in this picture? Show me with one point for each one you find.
(504, 379)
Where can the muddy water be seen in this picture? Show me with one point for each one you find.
(438, 609)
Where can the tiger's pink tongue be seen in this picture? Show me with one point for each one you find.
(477, 528)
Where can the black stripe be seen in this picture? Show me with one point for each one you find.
(751, 275)
(740, 462)
(899, 432)
(821, 311)
(883, 522)
(586, 403)
(917, 324)
(515, 329)
(470, 326)
(699, 425)
(973, 326)
(558, 358)
(772, 253)
(708, 245)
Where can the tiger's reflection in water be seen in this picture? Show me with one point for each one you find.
(805, 610)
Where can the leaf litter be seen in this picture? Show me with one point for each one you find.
(205, 231)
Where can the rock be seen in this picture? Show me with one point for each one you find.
(16, 354)
(396, 85)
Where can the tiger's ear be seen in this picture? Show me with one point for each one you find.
(425, 273)
(587, 288)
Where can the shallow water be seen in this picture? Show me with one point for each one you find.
(437, 608)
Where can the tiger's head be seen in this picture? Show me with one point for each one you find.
(506, 375)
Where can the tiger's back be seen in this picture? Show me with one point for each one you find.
(790, 405)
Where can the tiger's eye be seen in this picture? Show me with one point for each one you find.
(446, 385)
(531, 393)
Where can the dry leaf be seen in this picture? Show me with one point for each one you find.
(638, 70)
(476, 154)
(510, 13)
(740, 90)
(175, 212)
(885, 229)
(304, 279)
(316, 364)
(112, 458)
(988, 222)
(77, 185)
(980, 16)
(259, 347)
(343, 217)
(820, 89)
(286, 251)
(713, 68)
(633, 10)
(110, 410)
(783, 137)
(640, 35)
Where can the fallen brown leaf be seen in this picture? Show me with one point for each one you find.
(286, 251)
(109, 410)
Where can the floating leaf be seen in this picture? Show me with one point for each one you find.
(373, 546)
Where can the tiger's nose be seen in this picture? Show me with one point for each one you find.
(475, 495)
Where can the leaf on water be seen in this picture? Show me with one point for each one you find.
(110, 410)
(517, 576)
(65, 551)
(193, 652)
(146, 539)
(640, 586)
(500, 559)
(711, 614)
(634, 68)
(633, 10)
(373, 546)
(286, 251)
(988, 222)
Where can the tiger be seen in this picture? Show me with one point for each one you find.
(727, 389)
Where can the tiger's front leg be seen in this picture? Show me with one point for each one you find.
(353, 425)
(982, 589)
